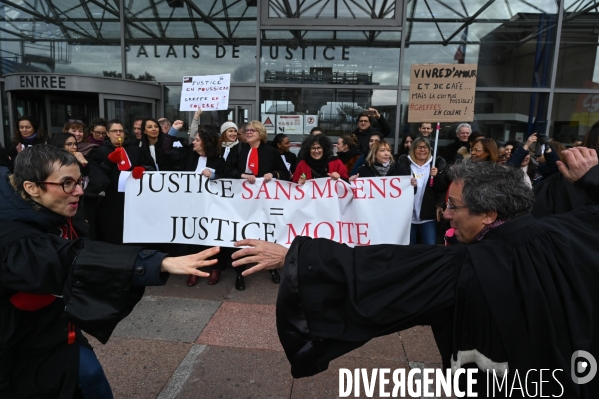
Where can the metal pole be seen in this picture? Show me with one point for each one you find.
(123, 45)
(435, 151)
(558, 34)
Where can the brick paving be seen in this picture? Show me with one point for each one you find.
(216, 342)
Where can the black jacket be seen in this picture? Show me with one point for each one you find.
(111, 208)
(428, 209)
(363, 137)
(370, 171)
(269, 161)
(35, 358)
(451, 150)
(517, 306)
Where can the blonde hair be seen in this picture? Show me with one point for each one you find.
(260, 129)
(371, 157)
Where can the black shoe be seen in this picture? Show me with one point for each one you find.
(240, 283)
(274, 275)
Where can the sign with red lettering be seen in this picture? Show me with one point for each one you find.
(442, 93)
(209, 92)
(187, 208)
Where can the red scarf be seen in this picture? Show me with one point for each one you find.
(253, 161)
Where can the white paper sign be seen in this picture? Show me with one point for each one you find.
(187, 208)
(290, 124)
(210, 93)
(123, 176)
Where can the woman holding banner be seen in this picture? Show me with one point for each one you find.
(202, 156)
(255, 159)
(317, 160)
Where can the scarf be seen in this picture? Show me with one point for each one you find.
(382, 169)
(253, 161)
(318, 166)
(92, 140)
(486, 229)
(347, 155)
(29, 140)
(231, 144)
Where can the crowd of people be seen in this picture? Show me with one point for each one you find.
(86, 162)
(242, 152)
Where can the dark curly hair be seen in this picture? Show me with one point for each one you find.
(278, 139)
(210, 138)
(324, 141)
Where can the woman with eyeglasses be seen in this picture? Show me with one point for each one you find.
(96, 182)
(418, 164)
(251, 160)
(111, 208)
(317, 161)
(27, 133)
(94, 136)
(202, 156)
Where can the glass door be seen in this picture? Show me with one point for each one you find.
(126, 108)
(239, 113)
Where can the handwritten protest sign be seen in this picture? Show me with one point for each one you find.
(187, 208)
(210, 93)
(442, 92)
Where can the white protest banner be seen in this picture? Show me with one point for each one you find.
(209, 93)
(442, 92)
(187, 208)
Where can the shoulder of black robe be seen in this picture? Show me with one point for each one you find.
(556, 194)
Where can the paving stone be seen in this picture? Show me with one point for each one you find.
(229, 373)
(326, 384)
(138, 368)
(386, 347)
(259, 289)
(177, 287)
(169, 319)
(242, 325)
(420, 346)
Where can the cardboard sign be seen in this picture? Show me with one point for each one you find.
(209, 93)
(290, 124)
(442, 92)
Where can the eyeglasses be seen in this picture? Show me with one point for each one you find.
(99, 133)
(422, 147)
(477, 150)
(250, 131)
(75, 120)
(364, 121)
(116, 131)
(315, 148)
(68, 186)
(452, 207)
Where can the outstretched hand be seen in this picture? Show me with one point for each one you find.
(266, 255)
(189, 264)
(579, 161)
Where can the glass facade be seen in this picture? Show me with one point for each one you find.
(325, 59)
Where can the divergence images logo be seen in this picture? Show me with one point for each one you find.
(581, 363)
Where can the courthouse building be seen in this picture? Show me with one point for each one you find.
(296, 64)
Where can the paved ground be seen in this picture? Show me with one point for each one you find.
(216, 342)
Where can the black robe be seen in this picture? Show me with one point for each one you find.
(523, 298)
(93, 285)
(111, 208)
(269, 161)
